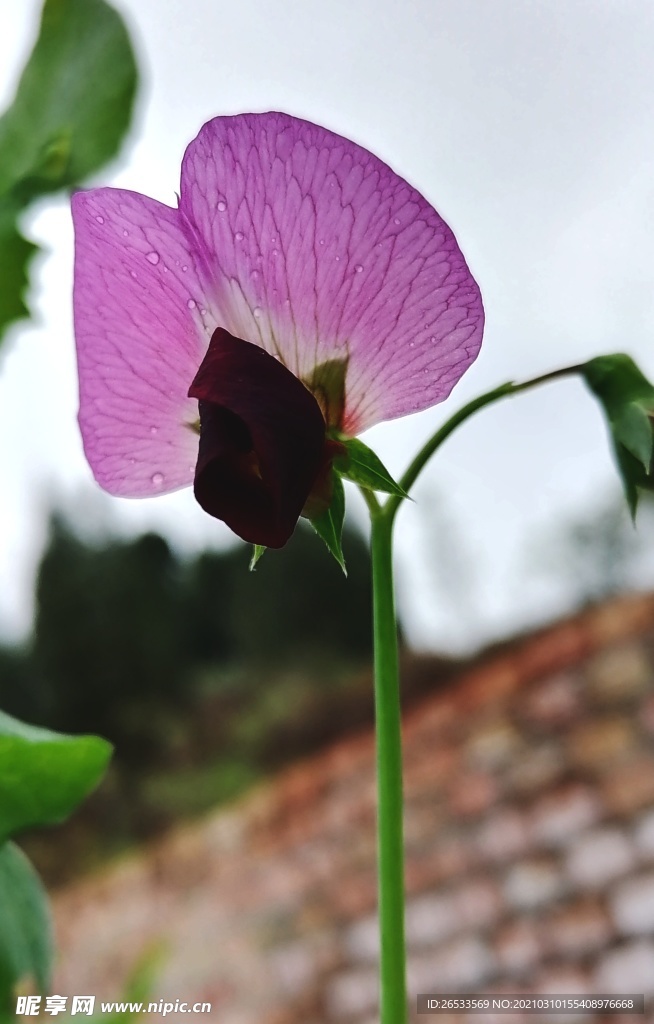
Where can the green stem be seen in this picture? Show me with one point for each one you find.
(390, 842)
(434, 442)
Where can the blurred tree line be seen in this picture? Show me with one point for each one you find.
(204, 675)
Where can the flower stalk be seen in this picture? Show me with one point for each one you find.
(393, 998)
(390, 840)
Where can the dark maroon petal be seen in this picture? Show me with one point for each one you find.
(262, 439)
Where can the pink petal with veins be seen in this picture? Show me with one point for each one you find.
(313, 248)
(140, 339)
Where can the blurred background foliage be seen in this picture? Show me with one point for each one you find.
(207, 677)
(203, 675)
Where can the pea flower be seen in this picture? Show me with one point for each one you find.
(299, 293)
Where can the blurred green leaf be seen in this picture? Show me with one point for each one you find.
(71, 110)
(360, 464)
(329, 525)
(26, 943)
(44, 775)
(15, 255)
(74, 99)
(627, 397)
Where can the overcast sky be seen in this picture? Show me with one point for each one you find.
(528, 124)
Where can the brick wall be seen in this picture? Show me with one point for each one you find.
(530, 852)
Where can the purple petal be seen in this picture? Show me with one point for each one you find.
(262, 441)
(140, 338)
(316, 250)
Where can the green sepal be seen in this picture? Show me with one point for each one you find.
(327, 384)
(257, 552)
(359, 464)
(44, 775)
(26, 941)
(627, 397)
(329, 524)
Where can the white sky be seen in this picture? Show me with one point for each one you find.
(528, 124)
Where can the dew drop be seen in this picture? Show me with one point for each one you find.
(203, 312)
(337, 258)
(273, 239)
(239, 236)
(154, 430)
(257, 311)
(191, 303)
(433, 339)
(321, 242)
(255, 274)
(358, 268)
(132, 462)
(125, 232)
(412, 344)
(275, 252)
(396, 220)
(184, 268)
(157, 479)
(222, 206)
(100, 219)
(132, 273)
(153, 258)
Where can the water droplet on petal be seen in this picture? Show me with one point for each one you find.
(337, 258)
(255, 274)
(154, 430)
(184, 268)
(358, 268)
(433, 338)
(191, 303)
(153, 258)
(100, 219)
(132, 273)
(239, 236)
(396, 220)
(412, 344)
(222, 205)
(321, 242)
(125, 232)
(157, 479)
(275, 252)
(257, 311)
(203, 312)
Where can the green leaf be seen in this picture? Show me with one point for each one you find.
(15, 256)
(329, 525)
(627, 398)
(257, 552)
(44, 775)
(360, 464)
(74, 99)
(26, 944)
(70, 113)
